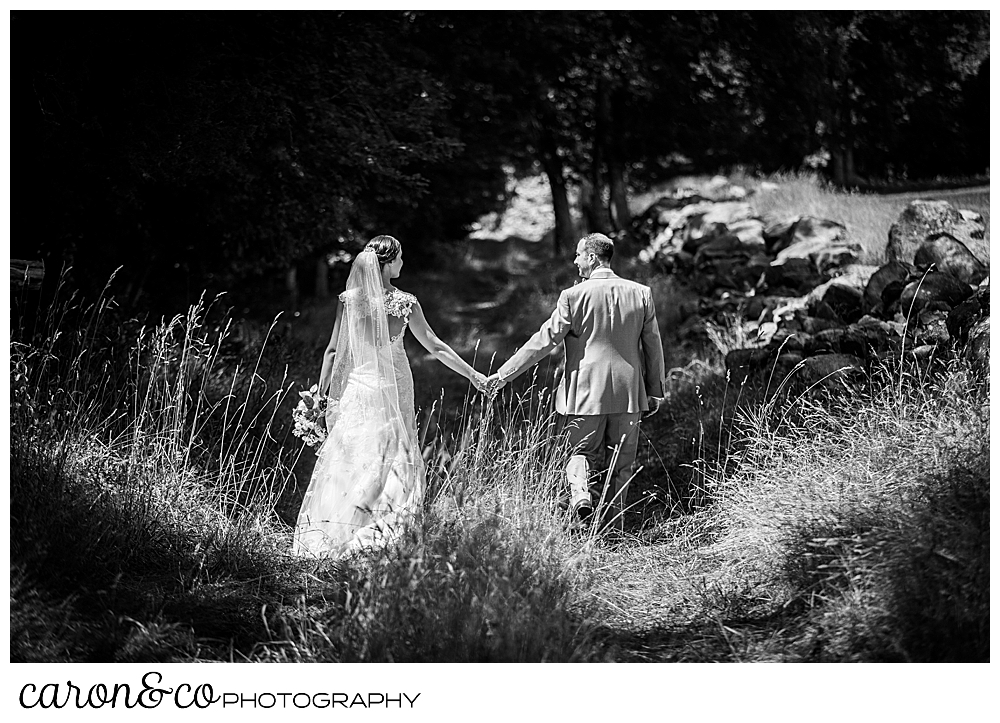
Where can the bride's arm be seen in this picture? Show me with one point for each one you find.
(331, 351)
(438, 349)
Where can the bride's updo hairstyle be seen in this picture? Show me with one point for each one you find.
(386, 248)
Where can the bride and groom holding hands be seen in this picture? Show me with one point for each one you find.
(369, 474)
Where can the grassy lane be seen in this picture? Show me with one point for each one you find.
(153, 479)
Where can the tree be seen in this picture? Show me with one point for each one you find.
(199, 149)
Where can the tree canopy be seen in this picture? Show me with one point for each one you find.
(201, 149)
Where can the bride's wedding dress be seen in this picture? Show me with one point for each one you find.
(369, 474)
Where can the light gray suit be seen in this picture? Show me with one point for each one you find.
(614, 363)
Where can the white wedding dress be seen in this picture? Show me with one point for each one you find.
(369, 474)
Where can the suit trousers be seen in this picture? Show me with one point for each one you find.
(601, 443)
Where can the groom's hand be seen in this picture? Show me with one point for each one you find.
(494, 384)
(654, 407)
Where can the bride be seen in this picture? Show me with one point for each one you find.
(369, 474)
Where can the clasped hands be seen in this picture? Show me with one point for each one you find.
(488, 385)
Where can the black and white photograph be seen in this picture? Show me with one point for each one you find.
(452, 335)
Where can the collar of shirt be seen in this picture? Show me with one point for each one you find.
(602, 273)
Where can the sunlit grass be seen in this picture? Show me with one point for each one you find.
(154, 480)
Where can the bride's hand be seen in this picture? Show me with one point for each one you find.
(494, 384)
(479, 381)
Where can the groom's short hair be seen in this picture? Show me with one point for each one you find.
(599, 245)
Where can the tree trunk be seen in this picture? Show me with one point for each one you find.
(598, 218)
(621, 216)
(837, 165)
(292, 286)
(552, 165)
(322, 278)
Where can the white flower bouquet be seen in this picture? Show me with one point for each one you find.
(309, 416)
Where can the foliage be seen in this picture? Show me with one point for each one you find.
(198, 148)
(211, 150)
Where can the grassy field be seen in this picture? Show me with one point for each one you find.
(154, 479)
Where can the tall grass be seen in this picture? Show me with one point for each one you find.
(882, 553)
(154, 481)
(148, 469)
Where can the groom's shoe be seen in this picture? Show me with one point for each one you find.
(582, 509)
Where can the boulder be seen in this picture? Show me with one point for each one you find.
(964, 316)
(695, 235)
(721, 188)
(750, 231)
(879, 335)
(885, 285)
(934, 290)
(944, 252)
(790, 311)
(932, 328)
(778, 235)
(978, 349)
(822, 242)
(922, 219)
(741, 363)
(844, 294)
(829, 369)
(784, 340)
(844, 300)
(761, 308)
(794, 275)
(814, 325)
(786, 363)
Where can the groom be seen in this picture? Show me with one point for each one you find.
(614, 373)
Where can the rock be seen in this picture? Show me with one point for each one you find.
(829, 369)
(922, 219)
(799, 342)
(814, 325)
(761, 308)
(844, 294)
(778, 235)
(721, 189)
(766, 332)
(924, 352)
(786, 362)
(857, 275)
(750, 232)
(792, 309)
(934, 290)
(978, 349)
(707, 235)
(795, 275)
(845, 301)
(932, 328)
(879, 335)
(741, 363)
(963, 317)
(822, 242)
(724, 246)
(946, 253)
(728, 212)
(892, 277)
(822, 310)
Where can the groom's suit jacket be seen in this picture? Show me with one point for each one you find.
(614, 356)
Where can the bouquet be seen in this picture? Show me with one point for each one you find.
(310, 417)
